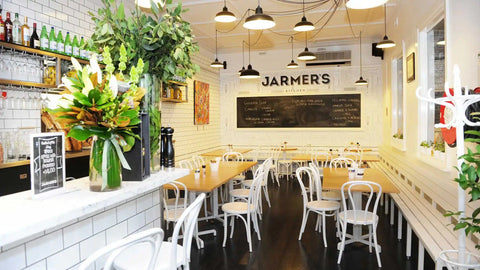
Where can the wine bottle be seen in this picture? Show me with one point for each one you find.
(83, 51)
(2, 29)
(60, 43)
(75, 47)
(34, 41)
(44, 45)
(8, 29)
(68, 45)
(52, 41)
(17, 30)
(26, 33)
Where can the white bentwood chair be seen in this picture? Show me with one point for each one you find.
(242, 193)
(176, 205)
(171, 255)
(323, 208)
(359, 215)
(150, 239)
(341, 162)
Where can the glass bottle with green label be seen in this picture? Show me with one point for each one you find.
(75, 47)
(83, 50)
(60, 43)
(52, 40)
(44, 39)
(68, 45)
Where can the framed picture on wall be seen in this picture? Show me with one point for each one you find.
(202, 103)
(411, 67)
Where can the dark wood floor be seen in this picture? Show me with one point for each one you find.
(279, 248)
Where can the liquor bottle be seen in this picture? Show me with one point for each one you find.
(75, 47)
(17, 30)
(2, 29)
(60, 43)
(52, 40)
(44, 39)
(83, 50)
(8, 29)
(34, 41)
(68, 45)
(26, 33)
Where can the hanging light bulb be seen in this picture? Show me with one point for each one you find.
(306, 55)
(361, 81)
(292, 64)
(216, 63)
(385, 43)
(304, 25)
(259, 21)
(243, 58)
(364, 4)
(225, 16)
(249, 73)
(146, 3)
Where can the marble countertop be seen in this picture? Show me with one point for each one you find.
(23, 216)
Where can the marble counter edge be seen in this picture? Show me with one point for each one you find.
(23, 216)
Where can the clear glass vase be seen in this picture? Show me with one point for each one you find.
(151, 104)
(113, 167)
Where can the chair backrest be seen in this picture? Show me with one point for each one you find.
(316, 181)
(153, 237)
(300, 172)
(254, 192)
(356, 156)
(234, 156)
(367, 188)
(174, 206)
(341, 162)
(321, 159)
(188, 220)
(266, 166)
(186, 164)
(275, 154)
(198, 161)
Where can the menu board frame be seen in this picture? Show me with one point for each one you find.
(44, 147)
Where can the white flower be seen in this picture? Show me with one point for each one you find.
(67, 84)
(88, 83)
(94, 68)
(76, 64)
(113, 85)
(66, 101)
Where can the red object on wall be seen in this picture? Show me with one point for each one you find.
(449, 134)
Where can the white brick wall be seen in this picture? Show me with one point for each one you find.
(69, 244)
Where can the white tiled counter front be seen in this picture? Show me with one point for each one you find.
(61, 231)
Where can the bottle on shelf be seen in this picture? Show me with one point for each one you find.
(8, 29)
(60, 43)
(17, 31)
(75, 47)
(2, 29)
(83, 51)
(52, 40)
(34, 40)
(68, 45)
(26, 33)
(44, 44)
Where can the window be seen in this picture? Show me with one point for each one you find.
(397, 98)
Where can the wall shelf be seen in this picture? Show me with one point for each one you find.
(169, 92)
(173, 100)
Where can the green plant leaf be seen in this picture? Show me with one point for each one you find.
(82, 99)
(460, 225)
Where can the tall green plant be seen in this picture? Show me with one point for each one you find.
(164, 41)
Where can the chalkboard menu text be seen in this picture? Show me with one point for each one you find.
(302, 111)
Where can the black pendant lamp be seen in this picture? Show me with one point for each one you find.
(385, 43)
(306, 55)
(249, 73)
(364, 4)
(304, 25)
(292, 64)
(243, 58)
(216, 63)
(259, 21)
(225, 16)
(361, 81)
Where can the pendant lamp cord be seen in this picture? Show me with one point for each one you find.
(291, 40)
(249, 44)
(385, 12)
(243, 53)
(361, 54)
(216, 46)
(303, 5)
(225, 3)
(306, 39)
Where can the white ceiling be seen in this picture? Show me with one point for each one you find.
(337, 31)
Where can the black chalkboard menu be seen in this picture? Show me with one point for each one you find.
(47, 164)
(303, 111)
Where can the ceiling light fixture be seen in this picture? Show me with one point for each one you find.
(292, 64)
(385, 43)
(441, 42)
(259, 21)
(243, 58)
(306, 55)
(364, 4)
(304, 25)
(216, 63)
(361, 81)
(249, 73)
(225, 16)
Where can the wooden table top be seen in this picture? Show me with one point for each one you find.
(334, 179)
(365, 158)
(220, 152)
(212, 180)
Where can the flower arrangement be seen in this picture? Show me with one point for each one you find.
(93, 104)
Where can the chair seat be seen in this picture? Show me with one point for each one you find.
(240, 193)
(247, 183)
(173, 215)
(332, 195)
(171, 202)
(236, 207)
(362, 219)
(323, 205)
(134, 257)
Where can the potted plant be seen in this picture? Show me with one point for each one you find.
(165, 43)
(425, 147)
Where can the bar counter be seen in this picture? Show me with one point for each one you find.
(36, 231)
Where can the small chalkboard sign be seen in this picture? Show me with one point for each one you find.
(47, 162)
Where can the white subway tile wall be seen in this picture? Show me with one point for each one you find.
(67, 246)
